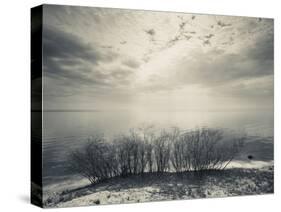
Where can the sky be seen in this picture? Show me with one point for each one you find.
(112, 59)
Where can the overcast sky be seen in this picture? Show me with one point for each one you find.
(110, 59)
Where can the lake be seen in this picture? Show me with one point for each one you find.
(64, 131)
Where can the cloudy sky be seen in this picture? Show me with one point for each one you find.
(110, 59)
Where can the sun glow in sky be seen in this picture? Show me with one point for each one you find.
(112, 59)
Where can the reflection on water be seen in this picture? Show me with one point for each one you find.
(64, 131)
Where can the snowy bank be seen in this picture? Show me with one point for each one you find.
(168, 186)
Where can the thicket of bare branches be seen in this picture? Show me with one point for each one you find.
(96, 160)
(204, 149)
(144, 150)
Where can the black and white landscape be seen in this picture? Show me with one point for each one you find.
(147, 106)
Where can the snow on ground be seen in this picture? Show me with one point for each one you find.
(169, 186)
(107, 197)
(255, 164)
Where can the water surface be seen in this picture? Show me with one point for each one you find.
(64, 131)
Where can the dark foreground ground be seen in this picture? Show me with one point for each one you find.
(168, 186)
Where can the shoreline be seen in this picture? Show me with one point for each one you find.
(168, 186)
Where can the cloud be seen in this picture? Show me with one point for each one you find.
(132, 63)
(262, 48)
(79, 64)
(182, 25)
(66, 55)
(222, 24)
(123, 42)
(62, 45)
(181, 35)
(209, 36)
(150, 32)
(106, 46)
(206, 42)
(260, 87)
(113, 56)
(121, 73)
(210, 71)
(246, 74)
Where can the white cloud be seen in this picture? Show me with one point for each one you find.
(124, 58)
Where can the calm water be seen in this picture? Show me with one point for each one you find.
(64, 131)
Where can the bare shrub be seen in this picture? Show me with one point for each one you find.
(178, 152)
(147, 136)
(131, 154)
(143, 150)
(123, 156)
(229, 150)
(162, 150)
(204, 149)
(135, 151)
(95, 160)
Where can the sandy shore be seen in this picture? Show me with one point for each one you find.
(168, 186)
